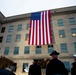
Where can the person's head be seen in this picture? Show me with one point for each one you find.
(54, 54)
(36, 61)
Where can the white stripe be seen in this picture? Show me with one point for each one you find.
(38, 32)
(44, 28)
(31, 33)
(41, 30)
(35, 32)
(48, 29)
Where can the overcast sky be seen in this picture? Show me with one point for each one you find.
(17, 7)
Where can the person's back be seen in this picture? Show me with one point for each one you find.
(55, 66)
(34, 69)
(73, 69)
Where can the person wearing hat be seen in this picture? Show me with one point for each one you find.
(35, 69)
(55, 66)
(73, 69)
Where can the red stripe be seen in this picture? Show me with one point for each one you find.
(43, 26)
(33, 34)
(50, 26)
(36, 32)
(41, 29)
(39, 33)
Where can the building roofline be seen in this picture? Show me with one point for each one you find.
(65, 10)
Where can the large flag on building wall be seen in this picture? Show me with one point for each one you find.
(40, 29)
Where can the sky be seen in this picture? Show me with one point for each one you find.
(18, 7)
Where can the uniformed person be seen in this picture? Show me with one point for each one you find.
(55, 66)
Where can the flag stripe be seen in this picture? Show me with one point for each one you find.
(43, 27)
(46, 28)
(41, 30)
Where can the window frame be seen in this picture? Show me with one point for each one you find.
(8, 40)
(16, 51)
(28, 26)
(27, 65)
(27, 50)
(71, 20)
(62, 34)
(6, 50)
(60, 22)
(37, 49)
(3, 29)
(11, 28)
(64, 49)
(19, 28)
(73, 32)
(18, 38)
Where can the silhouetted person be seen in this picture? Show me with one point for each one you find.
(35, 69)
(55, 66)
(73, 69)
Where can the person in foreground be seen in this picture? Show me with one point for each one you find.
(5, 72)
(35, 69)
(55, 66)
(73, 69)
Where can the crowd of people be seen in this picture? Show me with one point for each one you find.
(53, 66)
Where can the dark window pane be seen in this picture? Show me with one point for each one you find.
(3, 30)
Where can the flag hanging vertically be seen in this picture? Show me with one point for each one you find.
(40, 29)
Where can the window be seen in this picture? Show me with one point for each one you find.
(18, 37)
(19, 28)
(73, 31)
(3, 30)
(25, 67)
(60, 22)
(38, 49)
(50, 48)
(64, 48)
(9, 37)
(26, 37)
(72, 20)
(75, 46)
(1, 38)
(28, 26)
(11, 28)
(16, 50)
(67, 65)
(6, 51)
(61, 33)
(27, 50)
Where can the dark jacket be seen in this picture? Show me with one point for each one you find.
(73, 69)
(34, 69)
(56, 67)
(6, 72)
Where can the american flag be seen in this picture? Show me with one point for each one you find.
(40, 29)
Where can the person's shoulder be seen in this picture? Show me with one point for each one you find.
(31, 65)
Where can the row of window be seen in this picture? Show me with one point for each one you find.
(11, 28)
(63, 48)
(19, 28)
(18, 36)
(27, 50)
(62, 33)
(61, 21)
